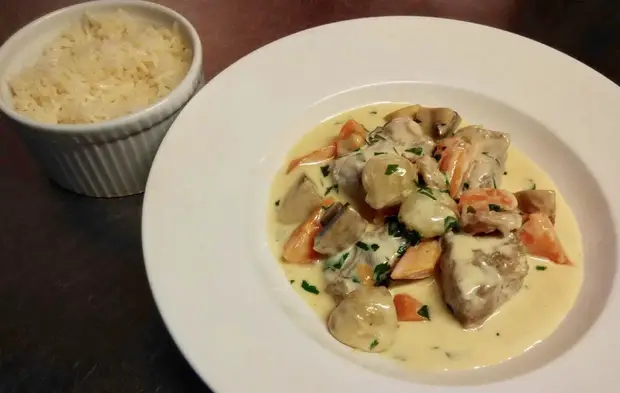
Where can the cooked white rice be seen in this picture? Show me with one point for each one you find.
(108, 65)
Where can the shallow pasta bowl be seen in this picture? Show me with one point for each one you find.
(223, 295)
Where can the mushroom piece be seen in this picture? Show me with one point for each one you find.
(300, 200)
(435, 122)
(388, 180)
(407, 137)
(537, 201)
(341, 232)
(365, 320)
(429, 169)
(428, 211)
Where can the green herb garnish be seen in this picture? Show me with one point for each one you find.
(378, 153)
(278, 202)
(465, 186)
(426, 191)
(494, 184)
(325, 170)
(363, 246)
(450, 223)
(374, 138)
(392, 168)
(505, 173)
(374, 247)
(539, 267)
(381, 273)
(533, 186)
(418, 151)
(309, 288)
(373, 112)
(495, 208)
(401, 250)
(330, 188)
(337, 265)
(355, 279)
(470, 209)
(292, 281)
(373, 344)
(424, 312)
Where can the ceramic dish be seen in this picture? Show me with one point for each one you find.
(224, 296)
(110, 158)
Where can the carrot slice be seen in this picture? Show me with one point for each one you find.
(299, 248)
(323, 154)
(352, 136)
(483, 197)
(539, 237)
(456, 157)
(407, 308)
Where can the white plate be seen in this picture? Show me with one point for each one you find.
(224, 297)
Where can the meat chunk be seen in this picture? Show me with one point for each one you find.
(429, 169)
(480, 274)
(537, 201)
(341, 232)
(407, 137)
(300, 200)
(435, 122)
(428, 211)
(365, 320)
(387, 180)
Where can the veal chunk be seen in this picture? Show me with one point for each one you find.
(479, 274)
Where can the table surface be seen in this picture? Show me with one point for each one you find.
(76, 311)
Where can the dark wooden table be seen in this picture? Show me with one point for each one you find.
(76, 312)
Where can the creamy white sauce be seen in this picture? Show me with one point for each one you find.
(441, 343)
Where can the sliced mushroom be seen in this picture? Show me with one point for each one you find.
(300, 200)
(407, 137)
(387, 180)
(428, 211)
(344, 230)
(365, 320)
(435, 122)
(537, 201)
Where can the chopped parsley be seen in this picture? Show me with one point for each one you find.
(401, 250)
(424, 313)
(470, 209)
(330, 188)
(397, 229)
(373, 344)
(494, 184)
(533, 186)
(373, 112)
(424, 190)
(392, 168)
(381, 273)
(540, 267)
(292, 281)
(355, 279)
(374, 247)
(333, 266)
(325, 170)
(505, 173)
(465, 186)
(495, 208)
(309, 288)
(278, 202)
(450, 223)
(378, 153)
(363, 246)
(418, 151)
(374, 138)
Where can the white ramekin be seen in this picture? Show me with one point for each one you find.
(107, 159)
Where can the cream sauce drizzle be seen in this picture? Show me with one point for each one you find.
(442, 344)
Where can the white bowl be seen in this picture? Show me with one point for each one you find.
(111, 158)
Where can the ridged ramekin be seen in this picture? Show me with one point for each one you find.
(107, 159)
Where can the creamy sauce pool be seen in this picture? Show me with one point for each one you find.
(441, 343)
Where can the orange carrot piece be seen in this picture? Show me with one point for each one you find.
(364, 274)
(352, 136)
(299, 248)
(407, 308)
(456, 157)
(323, 154)
(482, 197)
(539, 237)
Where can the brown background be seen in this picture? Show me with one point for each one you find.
(76, 313)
